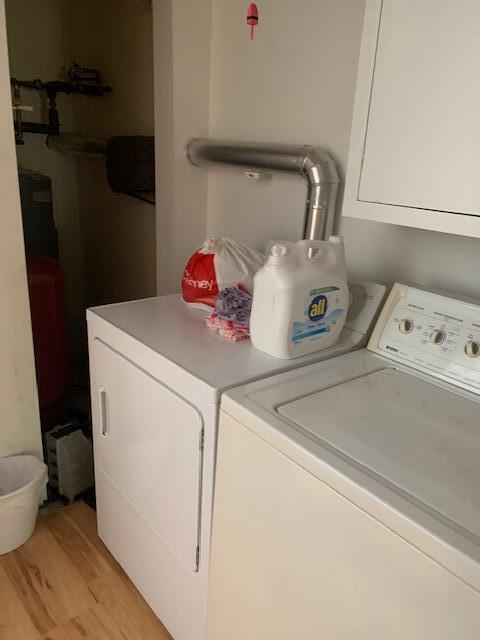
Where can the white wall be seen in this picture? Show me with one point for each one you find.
(182, 61)
(20, 426)
(164, 139)
(295, 83)
(118, 231)
(292, 84)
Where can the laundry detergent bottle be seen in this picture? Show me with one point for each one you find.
(301, 298)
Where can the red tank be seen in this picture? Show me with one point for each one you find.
(47, 307)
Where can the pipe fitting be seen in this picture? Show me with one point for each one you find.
(315, 165)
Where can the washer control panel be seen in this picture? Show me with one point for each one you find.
(431, 332)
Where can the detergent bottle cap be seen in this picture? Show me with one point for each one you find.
(279, 254)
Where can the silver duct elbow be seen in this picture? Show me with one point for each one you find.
(322, 178)
(315, 165)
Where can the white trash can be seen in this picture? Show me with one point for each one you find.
(22, 479)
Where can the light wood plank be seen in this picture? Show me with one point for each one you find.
(47, 582)
(80, 551)
(63, 584)
(85, 519)
(90, 625)
(123, 604)
(15, 623)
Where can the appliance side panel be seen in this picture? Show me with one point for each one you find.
(306, 562)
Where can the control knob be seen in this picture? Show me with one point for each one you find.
(437, 337)
(405, 326)
(472, 349)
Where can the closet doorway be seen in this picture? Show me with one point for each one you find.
(83, 112)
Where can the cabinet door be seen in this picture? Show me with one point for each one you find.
(148, 446)
(416, 129)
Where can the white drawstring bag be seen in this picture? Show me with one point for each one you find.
(218, 264)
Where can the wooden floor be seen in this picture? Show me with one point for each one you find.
(63, 584)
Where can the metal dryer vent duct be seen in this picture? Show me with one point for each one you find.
(315, 165)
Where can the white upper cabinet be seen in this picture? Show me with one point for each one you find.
(415, 143)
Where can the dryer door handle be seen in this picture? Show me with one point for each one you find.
(102, 399)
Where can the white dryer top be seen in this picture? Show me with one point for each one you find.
(177, 333)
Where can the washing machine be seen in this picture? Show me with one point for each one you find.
(157, 376)
(347, 499)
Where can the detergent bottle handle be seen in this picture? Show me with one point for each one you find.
(313, 251)
(331, 250)
(338, 248)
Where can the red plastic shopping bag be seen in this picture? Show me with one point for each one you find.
(219, 264)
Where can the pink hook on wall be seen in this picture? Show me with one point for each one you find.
(252, 18)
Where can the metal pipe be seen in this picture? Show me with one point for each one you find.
(75, 145)
(315, 165)
(35, 127)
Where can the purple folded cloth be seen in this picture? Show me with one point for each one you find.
(231, 317)
(234, 303)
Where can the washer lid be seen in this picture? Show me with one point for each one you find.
(420, 438)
